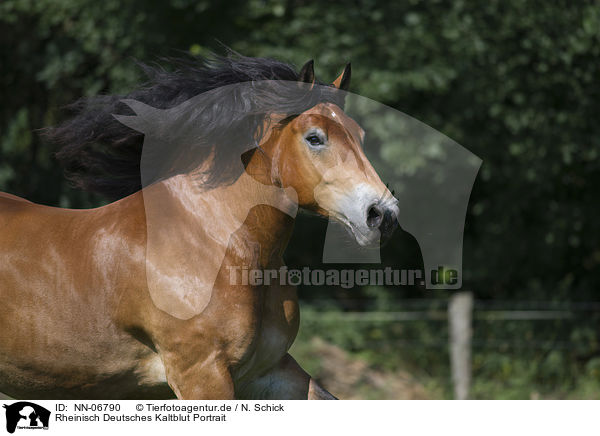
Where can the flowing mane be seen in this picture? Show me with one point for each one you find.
(101, 154)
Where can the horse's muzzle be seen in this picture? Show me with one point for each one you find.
(382, 218)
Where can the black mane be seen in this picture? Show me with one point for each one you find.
(101, 154)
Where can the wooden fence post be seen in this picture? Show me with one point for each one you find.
(460, 315)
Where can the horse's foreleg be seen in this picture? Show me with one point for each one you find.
(316, 392)
(206, 380)
(286, 381)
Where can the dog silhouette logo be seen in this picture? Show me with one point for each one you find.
(26, 415)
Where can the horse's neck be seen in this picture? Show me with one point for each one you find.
(259, 213)
(194, 233)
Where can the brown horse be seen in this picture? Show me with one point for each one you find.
(126, 301)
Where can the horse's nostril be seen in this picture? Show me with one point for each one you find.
(374, 216)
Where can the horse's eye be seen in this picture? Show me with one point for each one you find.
(314, 140)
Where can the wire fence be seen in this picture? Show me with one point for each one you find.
(520, 327)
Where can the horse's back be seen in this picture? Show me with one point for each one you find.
(6, 196)
(16, 215)
(11, 207)
(62, 274)
(13, 215)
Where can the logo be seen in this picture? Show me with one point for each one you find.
(26, 415)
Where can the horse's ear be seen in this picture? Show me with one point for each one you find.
(343, 80)
(307, 72)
